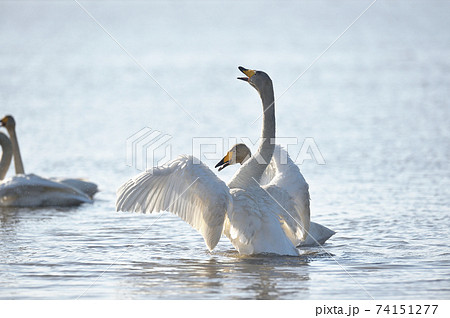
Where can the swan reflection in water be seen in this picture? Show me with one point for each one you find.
(225, 273)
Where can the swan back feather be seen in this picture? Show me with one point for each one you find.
(31, 190)
(87, 187)
(282, 174)
(254, 226)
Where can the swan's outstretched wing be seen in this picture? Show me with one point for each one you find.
(33, 191)
(186, 188)
(284, 174)
(287, 212)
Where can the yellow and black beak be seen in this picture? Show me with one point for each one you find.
(225, 162)
(3, 121)
(247, 72)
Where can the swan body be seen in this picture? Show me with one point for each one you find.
(189, 189)
(284, 182)
(30, 190)
(254, 225)
(244, 210)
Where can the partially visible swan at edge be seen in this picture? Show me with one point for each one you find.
(243, 210)
(284, 173)
(30, 190)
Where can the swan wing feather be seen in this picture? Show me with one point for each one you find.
(284, 174)
(184, 187)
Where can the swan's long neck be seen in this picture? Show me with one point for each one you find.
(267, 144)
(5, 160)
(255, 166)
(18, 164)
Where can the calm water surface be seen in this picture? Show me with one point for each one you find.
(376, 104)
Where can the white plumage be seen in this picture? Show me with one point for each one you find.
(87, 187)
(191, 191)
(30, 190)
(260, 210)
(33, 191)
(284, 181)
(254, 226)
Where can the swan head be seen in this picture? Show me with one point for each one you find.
(258, 79)
(239, 153)
(8, 122)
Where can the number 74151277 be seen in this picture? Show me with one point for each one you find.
(406, 309)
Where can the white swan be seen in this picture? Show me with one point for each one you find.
(5, 160)
(283, 173)
(31, 190)
(243, 210)
(89, 188)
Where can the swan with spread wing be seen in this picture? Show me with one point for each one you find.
(247, 212)
(283, 173)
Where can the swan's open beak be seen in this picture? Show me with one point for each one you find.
(225, 162)
(247, 72)
(3, 121)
